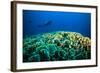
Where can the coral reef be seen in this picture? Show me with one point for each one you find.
(56, 46)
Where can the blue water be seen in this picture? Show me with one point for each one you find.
(37, 22)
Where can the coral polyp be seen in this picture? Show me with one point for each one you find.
(56, 46)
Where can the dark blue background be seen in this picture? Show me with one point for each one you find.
(36, 22)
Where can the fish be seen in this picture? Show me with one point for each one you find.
(47, 23)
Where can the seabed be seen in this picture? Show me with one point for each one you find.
(56, 46)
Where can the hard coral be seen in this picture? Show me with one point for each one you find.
(56, 46)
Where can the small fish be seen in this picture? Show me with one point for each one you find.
(46, 23)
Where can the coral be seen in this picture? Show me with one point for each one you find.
(56, 46)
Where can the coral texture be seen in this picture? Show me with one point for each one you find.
(56, 46)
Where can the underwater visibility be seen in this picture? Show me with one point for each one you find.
(56, 36)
